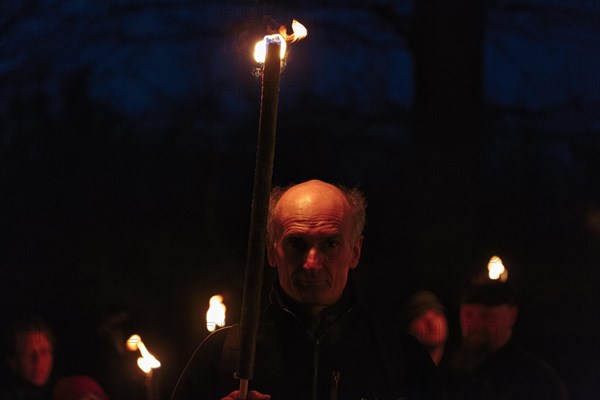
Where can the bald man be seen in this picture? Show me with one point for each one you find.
(314, 341)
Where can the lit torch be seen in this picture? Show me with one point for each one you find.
(270, 51)
(496, 269)
(147, 362)
(298, 32)
(215, 316)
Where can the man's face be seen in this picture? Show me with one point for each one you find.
(487, 327)
(33, 357)
(430, 328)
(313, 249)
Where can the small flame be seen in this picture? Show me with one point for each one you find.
(496, 270)
(215, 316)
(132, 342)
(147, 362)
(299, 31)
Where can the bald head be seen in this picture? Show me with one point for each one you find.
(314, 239)
(313, 192)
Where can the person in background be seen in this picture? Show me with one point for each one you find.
(29, 347)
(490, 364)
(315, 340)
(425, 319)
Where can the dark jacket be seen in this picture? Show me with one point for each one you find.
(15, 388)
(509, 373)
(342, 354)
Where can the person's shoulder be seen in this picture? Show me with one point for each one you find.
(518, 355)
(531, 372)
(391, 331)
(408, 340)
(410, 350)
(424, 377)
(538, 367)
(413, 350)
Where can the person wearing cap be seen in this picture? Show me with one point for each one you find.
(425, 319)
(490, 364)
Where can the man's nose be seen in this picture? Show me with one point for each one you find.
(313, 259)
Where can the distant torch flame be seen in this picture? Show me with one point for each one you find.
(215, 316)
(496, 270)
(298, 32)
(147, 362)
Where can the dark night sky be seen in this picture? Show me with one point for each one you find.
(127, 144)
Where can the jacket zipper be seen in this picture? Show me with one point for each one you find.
(315, 383)
(335, 382)
(316, 348)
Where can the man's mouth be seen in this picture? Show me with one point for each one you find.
(311, 281)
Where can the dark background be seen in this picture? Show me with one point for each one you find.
(127, 145)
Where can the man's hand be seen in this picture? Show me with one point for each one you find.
(252, 395)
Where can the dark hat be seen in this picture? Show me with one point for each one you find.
(419, 303)
(491, 293)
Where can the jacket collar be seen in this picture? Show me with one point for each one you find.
(316, 325)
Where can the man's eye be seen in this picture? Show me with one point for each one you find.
(332, 243)
(296, 243)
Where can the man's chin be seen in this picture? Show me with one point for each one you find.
(477, 345)
(310, 296)
(39, 381)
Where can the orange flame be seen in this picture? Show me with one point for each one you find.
(299, 31)
(147, 362)
(215, 316)
(496, 270)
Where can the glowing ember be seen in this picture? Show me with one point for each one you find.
(281, 38)
(215, 316)
(147, 362)
(496, 270)
(132, 342)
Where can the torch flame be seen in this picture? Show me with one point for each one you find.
(147, 362)
(215, 316)
(132, 342)
(281, 38)
(299, 31)
(496, 270)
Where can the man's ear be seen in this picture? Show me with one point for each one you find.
(356, 248)
(271, 252)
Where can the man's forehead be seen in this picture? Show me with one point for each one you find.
(312, 195)
(313, 214)
(32, 337)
